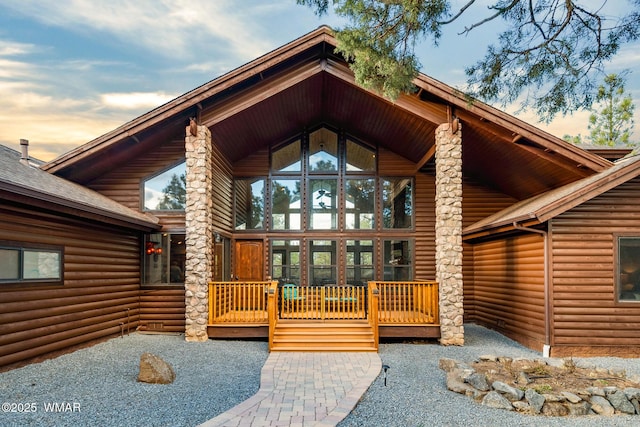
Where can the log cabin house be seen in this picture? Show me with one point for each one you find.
(282, 201)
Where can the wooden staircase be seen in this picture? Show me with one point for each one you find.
(334, 335)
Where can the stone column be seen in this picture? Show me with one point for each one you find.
(199, 232)
(448, 159)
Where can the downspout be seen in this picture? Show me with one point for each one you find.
(546, 349)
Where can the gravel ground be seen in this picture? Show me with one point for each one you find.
(97, 386)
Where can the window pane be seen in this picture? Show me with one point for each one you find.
(285, 258)
(285, 204)
(359, 261)
(38, 264)
(324, 208)
(249, 197)
(359, 203)
(322, 269)
(397, 260)
(287, 158)
(164, 258)
(323, 151)
(167, 190)
(629, 269)
(360, 158)
(397, 203)
(9, 264)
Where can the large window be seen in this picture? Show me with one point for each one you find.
(326, 211)
(628, 280)
(29, 264)
(167, 190)
(164, 258)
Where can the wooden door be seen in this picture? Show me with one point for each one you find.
(249, 260)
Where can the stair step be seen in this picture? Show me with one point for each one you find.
(347, 335)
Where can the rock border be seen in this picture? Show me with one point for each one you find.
(606, 401)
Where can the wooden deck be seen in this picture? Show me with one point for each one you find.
(305, 318)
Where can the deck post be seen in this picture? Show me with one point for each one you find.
(199, 230)
(448, 158)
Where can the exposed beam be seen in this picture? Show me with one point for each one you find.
(425, 159)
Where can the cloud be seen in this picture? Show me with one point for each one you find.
(175, 29)
(135, 100)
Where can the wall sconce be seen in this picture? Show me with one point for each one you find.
(216, 237)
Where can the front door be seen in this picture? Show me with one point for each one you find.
(249, 260)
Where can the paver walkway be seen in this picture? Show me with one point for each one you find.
(305, 389)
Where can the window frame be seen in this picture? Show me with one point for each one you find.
(619, 271)
(165, 237)
(22, 247)
(147, 178)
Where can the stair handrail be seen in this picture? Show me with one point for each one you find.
(373, 301)
(272, 310)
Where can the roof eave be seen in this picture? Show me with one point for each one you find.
(59, 204)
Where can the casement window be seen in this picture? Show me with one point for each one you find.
(164, 259)
(30, 264)
(166, 190)
(628, 269)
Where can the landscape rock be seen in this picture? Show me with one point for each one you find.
(601, 406)
(493, 399)
(535, 400)
(581, 408)
(619, 401)
(555, 409)
(526, 391)
(478, 381)
(507, 391)
(573, 398)
(154, 370)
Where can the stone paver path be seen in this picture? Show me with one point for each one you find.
(305, 389)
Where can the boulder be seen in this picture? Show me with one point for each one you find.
(154, 370)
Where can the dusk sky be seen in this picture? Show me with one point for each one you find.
(72, 70)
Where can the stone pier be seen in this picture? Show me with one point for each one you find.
(448, 160)
(199, 231)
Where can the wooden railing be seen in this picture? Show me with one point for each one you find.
(330, 302)
(381, 303)
(238, 302)
(414, 302)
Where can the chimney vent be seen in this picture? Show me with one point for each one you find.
(24, 145)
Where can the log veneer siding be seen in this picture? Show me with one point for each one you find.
(508, 287)
(100, 295)
(478, 202)
(586, 317)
